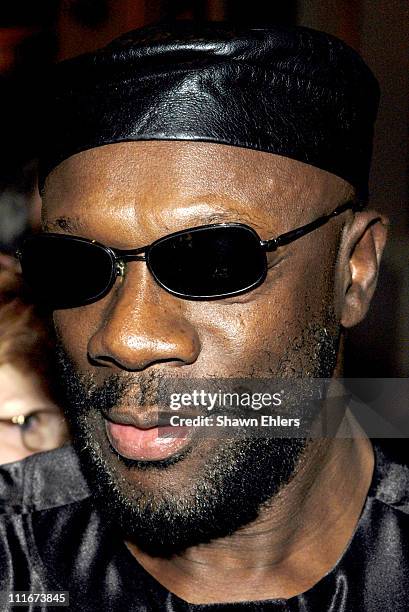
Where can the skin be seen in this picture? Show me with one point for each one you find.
(20, 394)
(129, 194)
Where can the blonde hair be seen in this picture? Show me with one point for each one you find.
(25, 331)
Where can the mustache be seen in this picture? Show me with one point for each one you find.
(142, 390)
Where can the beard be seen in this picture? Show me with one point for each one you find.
(209, 490)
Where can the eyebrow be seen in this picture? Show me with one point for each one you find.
(217, 217)
(220, 216)
(73, 225)
(68, 224)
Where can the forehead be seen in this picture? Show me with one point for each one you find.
(168, 179)
(19, 391)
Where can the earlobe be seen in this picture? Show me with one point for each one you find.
(360, 256)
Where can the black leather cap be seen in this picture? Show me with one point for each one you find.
(294, 92)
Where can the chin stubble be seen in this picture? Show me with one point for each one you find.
(237, 479)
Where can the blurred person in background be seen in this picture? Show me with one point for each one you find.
(19, 205)
(30, 419)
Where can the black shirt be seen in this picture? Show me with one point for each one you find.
(53, 539)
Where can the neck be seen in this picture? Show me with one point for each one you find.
(295, 540)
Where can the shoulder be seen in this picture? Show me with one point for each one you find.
(391, 477)
(47, 521)
(42, 481)
(53, 538)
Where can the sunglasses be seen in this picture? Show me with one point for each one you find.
(200, 263)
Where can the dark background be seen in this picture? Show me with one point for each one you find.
(35, 34)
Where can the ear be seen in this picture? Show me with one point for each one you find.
(360, 253)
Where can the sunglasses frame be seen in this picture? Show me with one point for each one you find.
(118, 257)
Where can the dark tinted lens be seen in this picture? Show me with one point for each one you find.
(209, 262)
(65, 272)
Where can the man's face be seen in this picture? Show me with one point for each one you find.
(114, 351)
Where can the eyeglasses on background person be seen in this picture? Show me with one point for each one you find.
(40, 430)
(30, 417)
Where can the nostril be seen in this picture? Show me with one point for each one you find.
(105, 361)
(116, 347)
(101, 360)
(143, 326)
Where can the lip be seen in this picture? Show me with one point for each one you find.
(146, 420)
(139, 437)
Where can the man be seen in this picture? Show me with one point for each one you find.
(176, 165)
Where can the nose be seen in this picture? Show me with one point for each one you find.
(143, 325)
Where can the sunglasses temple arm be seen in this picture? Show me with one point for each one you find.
(275, 243)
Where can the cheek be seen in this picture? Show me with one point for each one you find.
(260, 329)
(255, 331)
(74, 327)
(12, 449)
